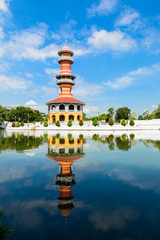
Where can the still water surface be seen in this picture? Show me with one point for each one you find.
(71, 186)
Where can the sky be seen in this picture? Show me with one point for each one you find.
(116, 45)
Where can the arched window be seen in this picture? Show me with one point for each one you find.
(62, 118)
(71, 117)
(78, 107)
(53, 107)
(71, 141)
(71, 107)
(62, 141)
(61, 107)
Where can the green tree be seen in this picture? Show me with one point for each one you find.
(140, 117)
(4, 231)
(1, 120)
(111, 122)
(58, 124)
(158, 112)
(110, 112)
(24, 114)
(80, 123)
(69, 124)
(2, 112)
(123, 112)
(123, 123)
(45, 124)
(95, 122)
(131, 123)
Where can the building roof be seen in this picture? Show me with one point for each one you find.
(65, 48)
(66, 159)
(65, 100)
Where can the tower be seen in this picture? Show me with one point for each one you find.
(65, 151)
(65, 107)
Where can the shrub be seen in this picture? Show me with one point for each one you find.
(111, 122)
(124, 137)
(81, 123)
(111, 138)
(95, 122)
(81, 136)
(132, 136)
(123, 123)
(131, 123)
(13, 124)
(69, 124)
(57, 135)
(22, 124)
(45, 124)
(18, 124)
(58, 124)
(69, 136)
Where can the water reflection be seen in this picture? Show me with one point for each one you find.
(112, 193)
(122, 142)
(65, 151)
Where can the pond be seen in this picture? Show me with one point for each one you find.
(74, 186)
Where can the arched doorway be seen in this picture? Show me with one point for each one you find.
(54, 118)
(71, 107)
(62, 107)
(62, 118)
(71, 117)
(78, 118)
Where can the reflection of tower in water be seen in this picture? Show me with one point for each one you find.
(65, 151)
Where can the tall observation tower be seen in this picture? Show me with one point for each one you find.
(65, 107)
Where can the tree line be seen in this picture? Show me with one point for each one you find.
(124, 113)
(22, 114)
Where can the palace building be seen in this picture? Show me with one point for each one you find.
(65, 107)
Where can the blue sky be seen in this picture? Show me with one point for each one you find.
(116, 45)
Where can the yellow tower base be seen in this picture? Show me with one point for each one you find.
(54, 117)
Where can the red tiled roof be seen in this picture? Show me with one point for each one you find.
(66, 159)
(65, 99)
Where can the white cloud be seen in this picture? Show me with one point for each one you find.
(120, 83)
(151, 40)
(30, 103)
(29, 75)
(91, 110)
(81, 51)
(84, 90)
(112, 219)
(126, 80)
(127, 17)
(115, 41)
(28, 44)
(50, 92)
(13, 83)
(52, 71)
(103, 8)
(4, 5)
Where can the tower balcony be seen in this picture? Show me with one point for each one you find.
(65, 58)
(65, 75)
(65, 80)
